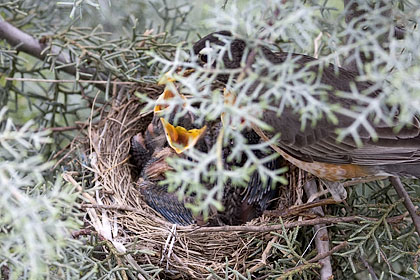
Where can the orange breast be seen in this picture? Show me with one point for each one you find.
(329, 171)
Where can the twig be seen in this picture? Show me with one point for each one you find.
(369, 268)
(295, 210)
(84, 232)
(108, 244)
(322, 241)
(316, 44)
(224, 4)
(69, 151)
(267, 250)
(290, 272)
(66, 176)
(110, 207)
(311, 222)
(70, 81)
(402, 193)
(264, 255)
(363, 180)
(329, 253)
(28, 44)
(63, 128)
(120, 264)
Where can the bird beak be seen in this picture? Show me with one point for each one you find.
(187, 72)
(179, 138)
(162, 101)
(169, 78)
(166, 78)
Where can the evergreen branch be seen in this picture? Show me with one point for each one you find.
(24, 42)
(402, 193)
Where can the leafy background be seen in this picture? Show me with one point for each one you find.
(39, 211)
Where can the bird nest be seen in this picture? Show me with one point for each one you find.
(118, 213)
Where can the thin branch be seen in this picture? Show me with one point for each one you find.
(296, 209)
(369, 268)
(290, 272)
(63, 128)
(322, 241)
(86, 232)
(311, 222)
(329, 253)
(67, 177)
(110, 207)
(402, 193)
(70, 81)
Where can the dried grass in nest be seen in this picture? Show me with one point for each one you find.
(190, 254)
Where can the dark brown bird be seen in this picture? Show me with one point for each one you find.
(316, 149)
(165, 203)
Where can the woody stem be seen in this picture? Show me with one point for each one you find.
(402, 193)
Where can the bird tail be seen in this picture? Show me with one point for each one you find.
(411, 170)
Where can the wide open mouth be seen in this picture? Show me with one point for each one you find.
(179, 138)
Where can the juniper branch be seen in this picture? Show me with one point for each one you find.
(24, 42)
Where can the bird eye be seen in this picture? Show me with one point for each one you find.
(202, 57)
(204, 54)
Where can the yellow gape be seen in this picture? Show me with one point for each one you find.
(179, 138)
(163, 98)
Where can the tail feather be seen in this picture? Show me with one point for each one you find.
(411, 170)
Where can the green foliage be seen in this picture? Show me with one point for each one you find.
(36, 215)
(298, 27)
(38, 211)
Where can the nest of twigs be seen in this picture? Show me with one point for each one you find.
(147, 238)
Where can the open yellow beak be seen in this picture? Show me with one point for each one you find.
(169, 78)
(166, 78)
(179, 138)
(167, 94)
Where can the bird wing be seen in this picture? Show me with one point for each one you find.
(399, 152)
(319, 143)
(167, 204)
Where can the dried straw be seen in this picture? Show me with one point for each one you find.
(131, 225)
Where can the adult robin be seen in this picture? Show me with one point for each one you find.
(315, 148)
